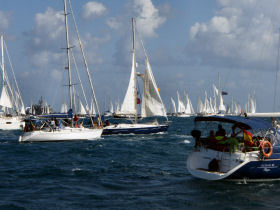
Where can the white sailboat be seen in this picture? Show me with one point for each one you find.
(63, 108)
(173, 112)
(10, 101)
(67, 133)
(152, 104)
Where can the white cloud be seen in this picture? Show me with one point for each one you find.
(4, 20)
(147, 18)
(49, 26)
(93, 9)
(241, 33)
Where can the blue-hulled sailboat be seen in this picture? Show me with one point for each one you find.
(152, 104)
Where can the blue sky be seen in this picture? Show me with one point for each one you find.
(188, 43)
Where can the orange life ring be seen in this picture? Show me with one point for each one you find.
(266, 144)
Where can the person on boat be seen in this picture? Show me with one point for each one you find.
(221, 131)
(212, 137)
(52, 124)
(81, 124)
(107, 123)
(76, 118)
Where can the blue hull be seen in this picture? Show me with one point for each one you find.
(259, 170)
(149, 130)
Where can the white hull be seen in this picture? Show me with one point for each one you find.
(198, 163)
(266, 114)
(66, 134)
(11, 123)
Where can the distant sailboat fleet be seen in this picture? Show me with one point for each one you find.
(80, 118)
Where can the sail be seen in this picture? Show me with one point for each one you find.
(5, 100)
(188, 105)
(111, 107)
(200, 106)
(117, 106)
(221, 101)
(129, 102)
(152, 104)
(22, 110)
(181, 106)
(64, 108)
(92, 108)
(81, 108)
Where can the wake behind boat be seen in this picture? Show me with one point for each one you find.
(247, 150)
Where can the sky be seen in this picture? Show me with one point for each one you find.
(188, 42)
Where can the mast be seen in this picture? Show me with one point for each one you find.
(134, 66)
(87, 69)
(2, 57)
(68, 67)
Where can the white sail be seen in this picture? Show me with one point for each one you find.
(188, 105)
(181, 106)
(129, 102)
(152, 104)
(92, 108)
(200, 107)
(5, 100)
(117, 106)
(222, 107)
(111, 107)
(251, 104)
(173, 106)
(64, 108)
(81, 109)
(22, 110)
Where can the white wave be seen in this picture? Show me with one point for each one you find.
(186, 141)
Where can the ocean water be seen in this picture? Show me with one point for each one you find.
(118, 172)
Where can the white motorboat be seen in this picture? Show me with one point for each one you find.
(253, 156)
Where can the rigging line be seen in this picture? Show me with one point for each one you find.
(79, 78)
(85, 63)
(6, 78)
(276, 76)
(12, 69)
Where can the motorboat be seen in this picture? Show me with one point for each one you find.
(249, 151)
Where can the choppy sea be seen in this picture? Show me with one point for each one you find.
(118, 172)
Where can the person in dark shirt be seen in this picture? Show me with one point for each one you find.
(221, 131)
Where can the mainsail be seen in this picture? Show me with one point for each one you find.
(129, 102)
(181, 106)
(173, 105)
(152, 104)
